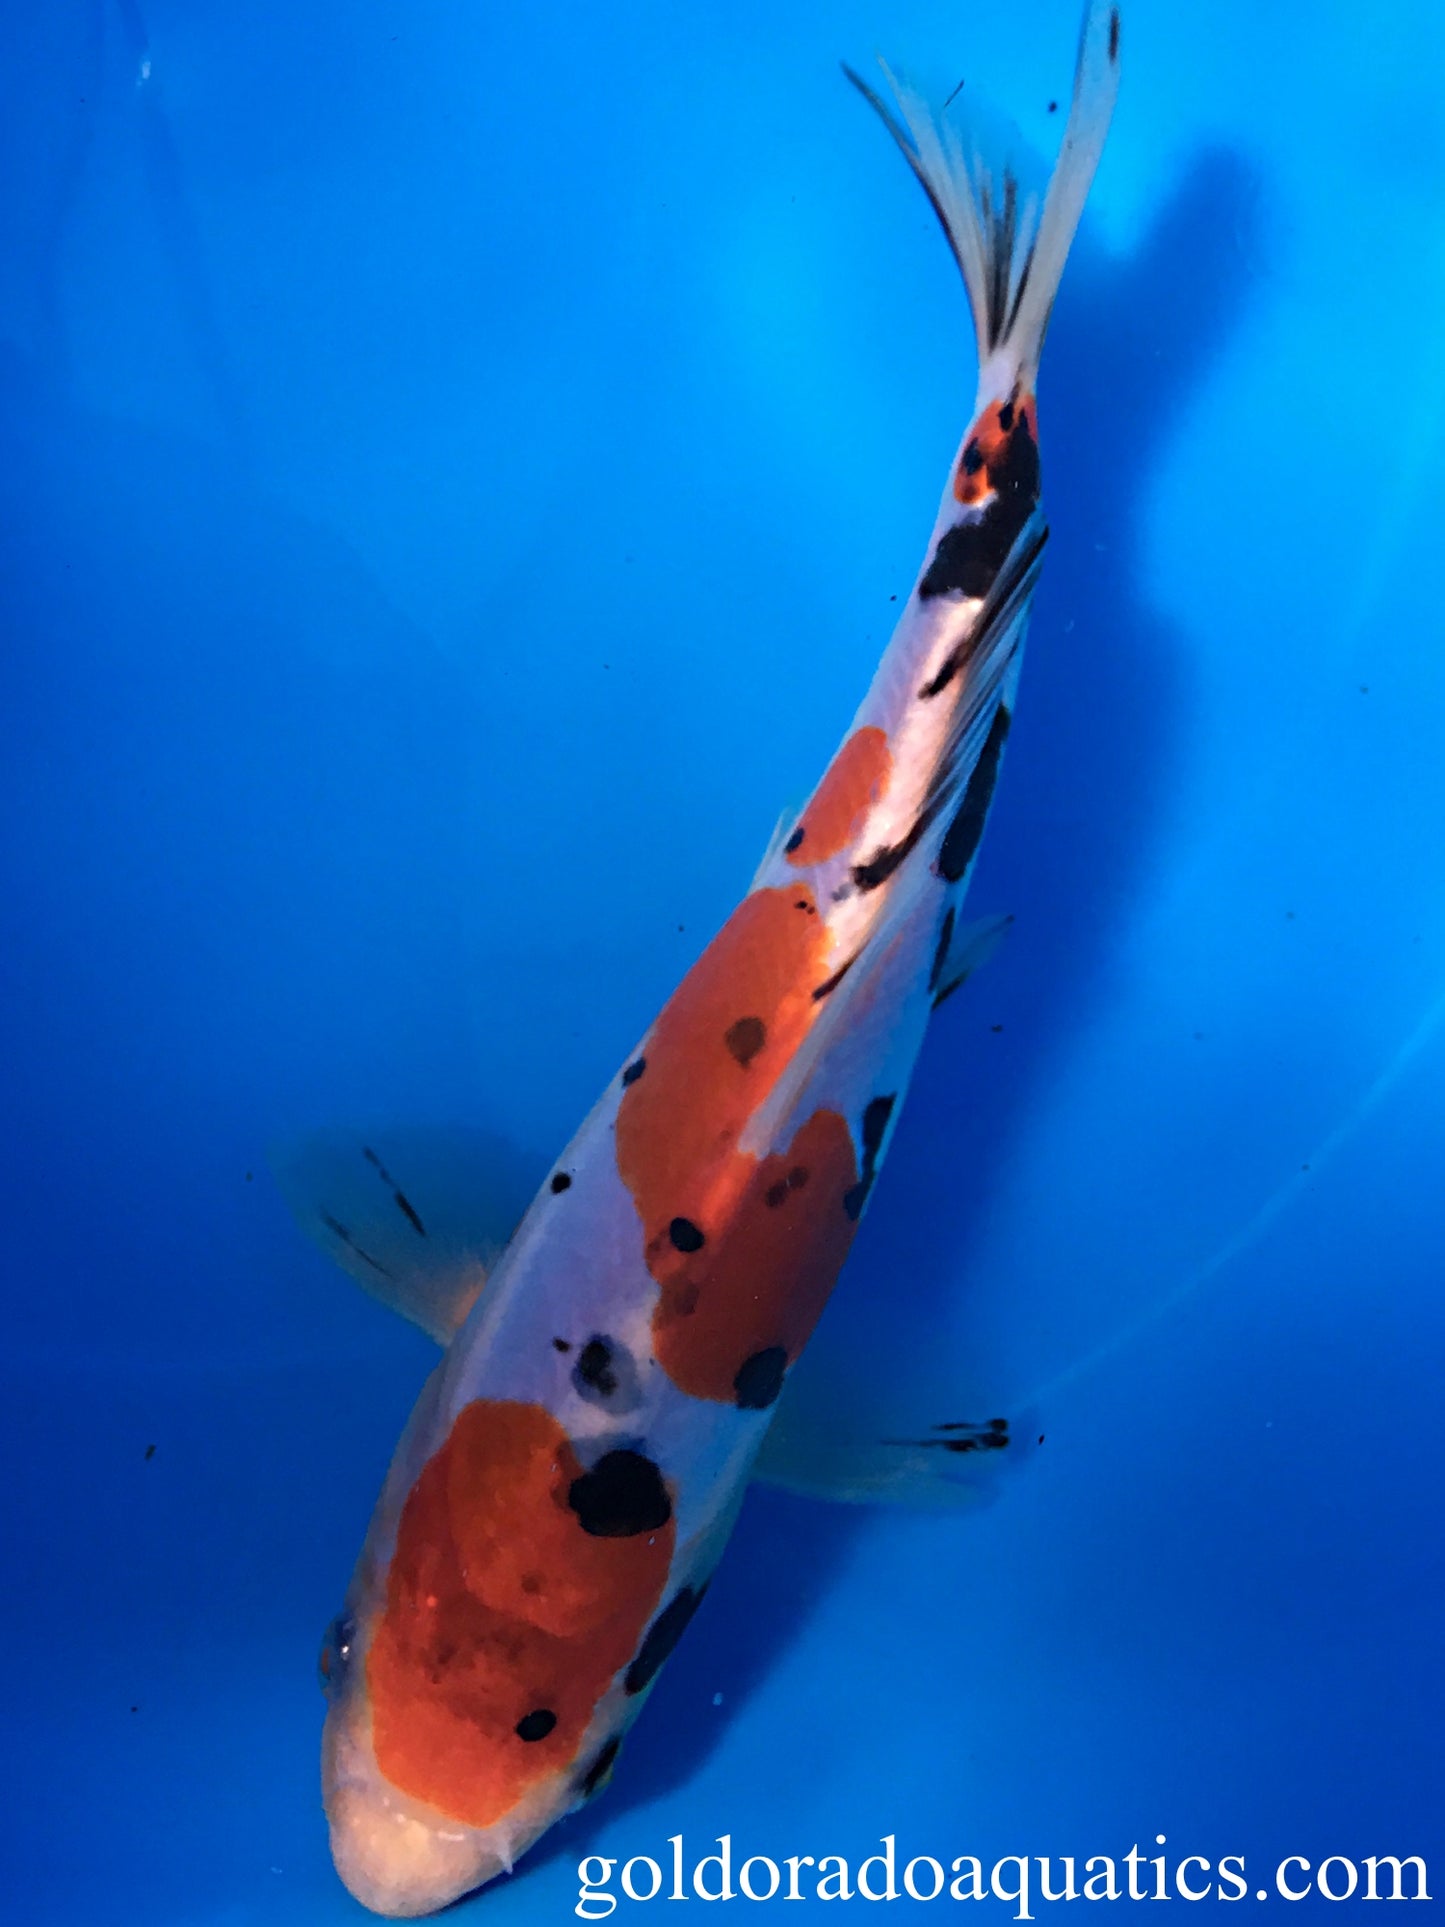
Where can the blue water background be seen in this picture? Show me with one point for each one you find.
(457, 466)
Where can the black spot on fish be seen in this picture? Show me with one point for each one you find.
(779, 1191)
(972, 458)
(940, 955)
(971, 553)
(875, 1124)
(795, 840)
(662, 1635)
(967, 559)
(745, 1039)
(561, 1345)
(536, 1726)
(875, 1129)
(685, 1235)
(594, 1368)
(606, 1374)
(1015, 475)
(600, 1771)
(634, 1070)
(621, 1496)
(1006, 596)
(961, 841)
(826, 989)
(561, 1181)
(1006, 417)
(760, 1379)
(883, 862)
(1114, 34)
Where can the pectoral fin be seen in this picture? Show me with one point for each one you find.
(418, 1217)
(943, 1464)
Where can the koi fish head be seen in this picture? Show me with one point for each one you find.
(393, 1855)
(501, 1632)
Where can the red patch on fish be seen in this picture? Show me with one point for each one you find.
(500, 1607)
(854, 780)
(987, 446)
(745, 1256)
(736, 1312)
(723, 1039)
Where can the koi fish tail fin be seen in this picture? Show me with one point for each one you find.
(1010, 249)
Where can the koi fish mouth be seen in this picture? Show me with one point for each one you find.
(388, 1856)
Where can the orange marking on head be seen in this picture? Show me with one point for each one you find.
(857, 777)
(500, 1605)
(759, 1286)
(987, 445)
(721, 1043)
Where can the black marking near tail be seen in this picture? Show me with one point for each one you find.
(971, 555)
(884, 861)
(966, 744)
(965, 832)
(403, 1203)
(988, 649)
(1011, 587)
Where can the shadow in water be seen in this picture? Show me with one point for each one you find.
(1072, 839)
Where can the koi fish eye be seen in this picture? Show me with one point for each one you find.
(337, 1645)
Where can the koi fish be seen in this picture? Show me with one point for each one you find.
(575, 1463)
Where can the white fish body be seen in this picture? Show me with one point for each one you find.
(573, 1468)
